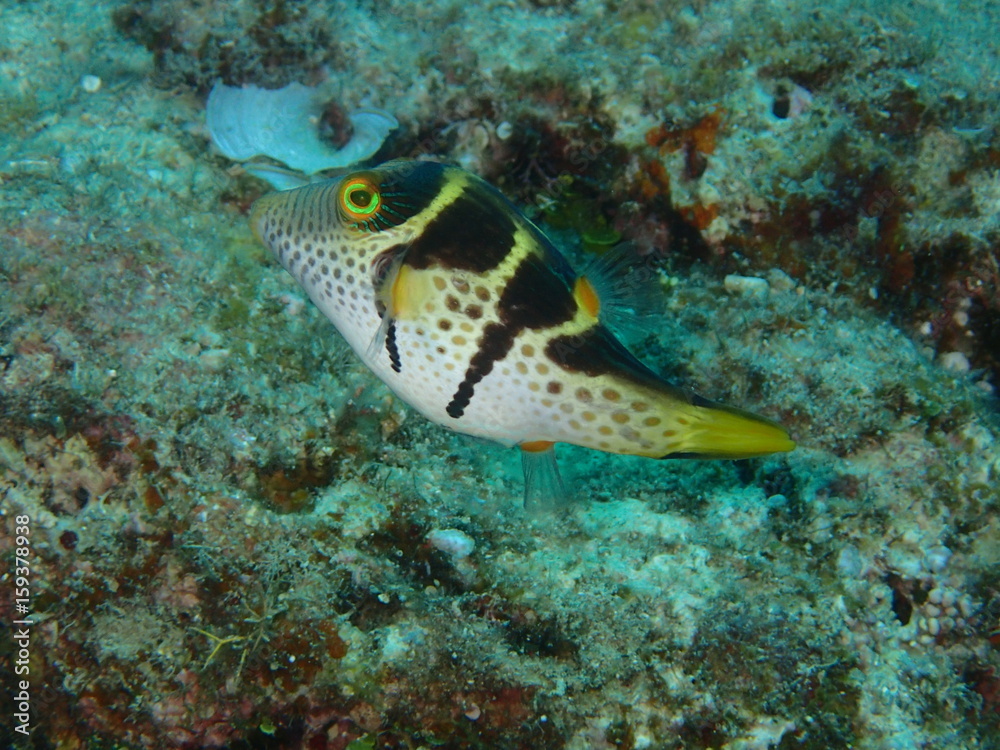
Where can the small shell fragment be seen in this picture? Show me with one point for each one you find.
(747, 286)
(91, 84)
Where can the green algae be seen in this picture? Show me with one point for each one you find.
(367, 742)
(18, 111)
(571, 208)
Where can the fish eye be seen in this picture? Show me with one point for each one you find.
(359, 198)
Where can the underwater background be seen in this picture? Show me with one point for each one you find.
(239, 538)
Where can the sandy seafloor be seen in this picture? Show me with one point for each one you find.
(236, 531)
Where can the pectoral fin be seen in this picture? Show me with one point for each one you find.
(400, 294)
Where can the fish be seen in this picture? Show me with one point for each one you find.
(470, 314)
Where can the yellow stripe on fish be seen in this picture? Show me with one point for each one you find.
(469, 313)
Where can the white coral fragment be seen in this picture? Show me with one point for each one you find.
(455, 543)
(282, 124)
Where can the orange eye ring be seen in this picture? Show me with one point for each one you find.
(359, 198)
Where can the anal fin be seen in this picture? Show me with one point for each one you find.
(543, 487)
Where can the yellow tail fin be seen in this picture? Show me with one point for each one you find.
(708, 430)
